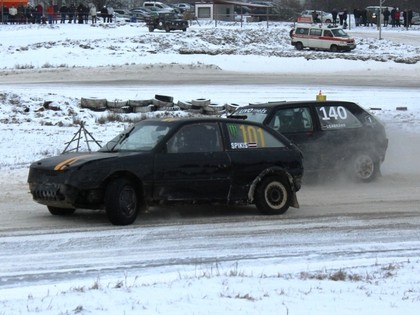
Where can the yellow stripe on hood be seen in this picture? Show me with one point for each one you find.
(66, 163)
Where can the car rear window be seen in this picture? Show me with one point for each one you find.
(336, 117)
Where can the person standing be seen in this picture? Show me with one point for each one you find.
(110, 14)
(63, 12)
(71, 11)
(13, 14)
(50, 13)
(386, 14)
(93, 13)
(104, 13)
(397, 17)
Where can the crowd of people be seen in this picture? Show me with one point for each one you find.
(389, 17)
(54, 14)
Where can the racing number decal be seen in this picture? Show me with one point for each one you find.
(248, 137)
(253, 135)
(336, 112)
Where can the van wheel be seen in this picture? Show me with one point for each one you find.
(334, 48)
(299, 46)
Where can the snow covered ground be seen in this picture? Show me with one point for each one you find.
(37, 64)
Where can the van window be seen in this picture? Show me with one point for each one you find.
(327, 33)
(338, 32)
(302, 31)
(315, 32)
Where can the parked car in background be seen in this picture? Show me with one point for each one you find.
(323, 16)
(334, 136)
(159, 6)
(183, 7)
(156, 161)
(321, 37)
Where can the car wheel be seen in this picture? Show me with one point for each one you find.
(273, 195)
(167, 29)
(333, 48)
(151, 28)
(363, 167)
(121, 202)
(327, 21)
(299, 46)
(60, 211)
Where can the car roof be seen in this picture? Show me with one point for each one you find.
(296, 103)
(186, 120)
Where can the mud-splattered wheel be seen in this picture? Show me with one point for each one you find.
(273, 195)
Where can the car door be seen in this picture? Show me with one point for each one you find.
(194, 165)
(299, 125)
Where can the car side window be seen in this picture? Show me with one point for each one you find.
(289, 120)
(336, 117)
(199, 137)
(244, 136)
(302, 31)
(315, 32)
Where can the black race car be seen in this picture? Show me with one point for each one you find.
(333, 135)
(174, 160)
(167, 22)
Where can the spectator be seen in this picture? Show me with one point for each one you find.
(38, 14)
(13, 14)
(63, 13)
(357, 17)
(386, 14)
(50, 13)
(345, 18)
(93, 13)
(5, 15)
(71, 11)
(341, 16)
(80, 13)
(104, 13)
(334, 14)
(110, 14)
(397, 17)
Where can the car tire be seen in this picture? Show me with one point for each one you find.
(363, 167)
(299, 46)
(151, 28)
(334, 48)
(273, 195)
(60, 211)
(121, 202)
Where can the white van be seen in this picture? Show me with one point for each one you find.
(321, 37)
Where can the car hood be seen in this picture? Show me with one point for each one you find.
(62, 162)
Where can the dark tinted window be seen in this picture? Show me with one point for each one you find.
(292, 120)
(200, 137)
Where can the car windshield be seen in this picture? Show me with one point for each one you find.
(253, 114)
(338, 32)
(141, 137)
